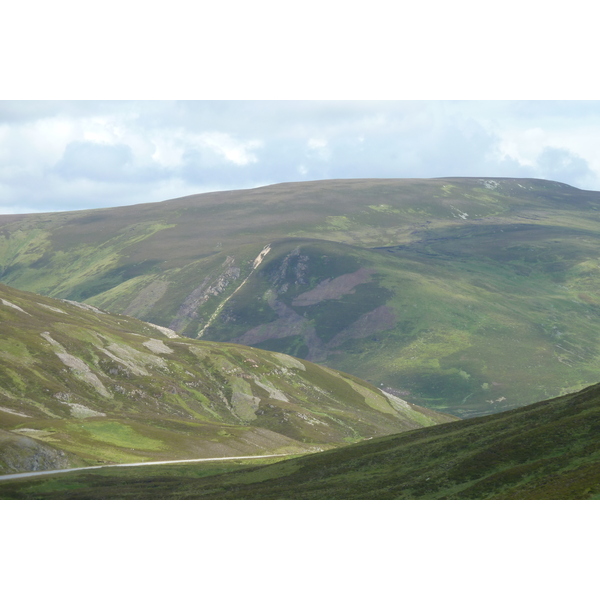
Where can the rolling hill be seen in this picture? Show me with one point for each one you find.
(79, 386)
(548, 450)
(464, 295)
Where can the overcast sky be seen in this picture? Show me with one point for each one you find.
(290, 76)
(57, 155)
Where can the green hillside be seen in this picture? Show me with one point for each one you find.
(79, 386)
(465, 295)
(549, 450)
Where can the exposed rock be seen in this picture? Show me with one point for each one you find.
(7, 303)
(19, 453)
(209, 287)
(79, 368)
(295, 267)
(273, 393)
(13, 412)
(79, 411)
(86, 307)
(157, 346)
(52, 308)
(168, 332)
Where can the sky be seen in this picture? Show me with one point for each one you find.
(70, 155)
(125, 102)
(130, 103)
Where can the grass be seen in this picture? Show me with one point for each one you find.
(110, 388)
(549, 450)
(129, 483)
(508, 296)
(119, 434)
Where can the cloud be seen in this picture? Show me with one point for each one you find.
(318, 148)
(65, 155)
(95, 161)
(237, 152)
(562, 165)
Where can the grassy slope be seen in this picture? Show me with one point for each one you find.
(490, 286)
(550, 450)
(90, 387)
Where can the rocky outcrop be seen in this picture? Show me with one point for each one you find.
(19, 453)
(294, 267)
(210, 287)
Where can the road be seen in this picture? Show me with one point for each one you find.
(141, 464)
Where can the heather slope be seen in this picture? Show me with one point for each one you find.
(549, 450)
(465, 295)
(81, 386)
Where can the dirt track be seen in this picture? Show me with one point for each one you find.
(142, 464)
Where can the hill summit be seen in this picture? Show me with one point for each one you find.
(464, 295)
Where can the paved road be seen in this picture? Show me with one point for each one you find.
(141, 464)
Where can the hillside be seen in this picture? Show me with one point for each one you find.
(80, 386)
(549, 450)
(465, 295)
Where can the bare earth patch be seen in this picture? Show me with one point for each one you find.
(7, 303)
(157, 346)
(334, 289)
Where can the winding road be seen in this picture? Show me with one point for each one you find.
(142, 464)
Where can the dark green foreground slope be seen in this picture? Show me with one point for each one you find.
(550, 450)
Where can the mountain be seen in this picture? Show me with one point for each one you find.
(464, 295)
(548, 450)
(81, 386)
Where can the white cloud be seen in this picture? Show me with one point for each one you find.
(35, 145)
(225, 145)
(168, 148)
(97, 161)
(134, 151)
(319, 147)
(523, 145)
(316, 143)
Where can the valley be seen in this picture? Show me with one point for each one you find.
(467, 296)
(547, 451)
(361, 339)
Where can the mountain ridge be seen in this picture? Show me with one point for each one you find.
(453, 263)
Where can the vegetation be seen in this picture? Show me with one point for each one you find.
(549, 450)
(80, 386)
(475, 297)
(464, 295)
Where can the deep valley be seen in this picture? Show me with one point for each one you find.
(407, 334)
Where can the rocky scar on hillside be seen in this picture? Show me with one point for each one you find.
(289, 293)
(19, 453)
(80, 382)
(472, 295)
(210, 287)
